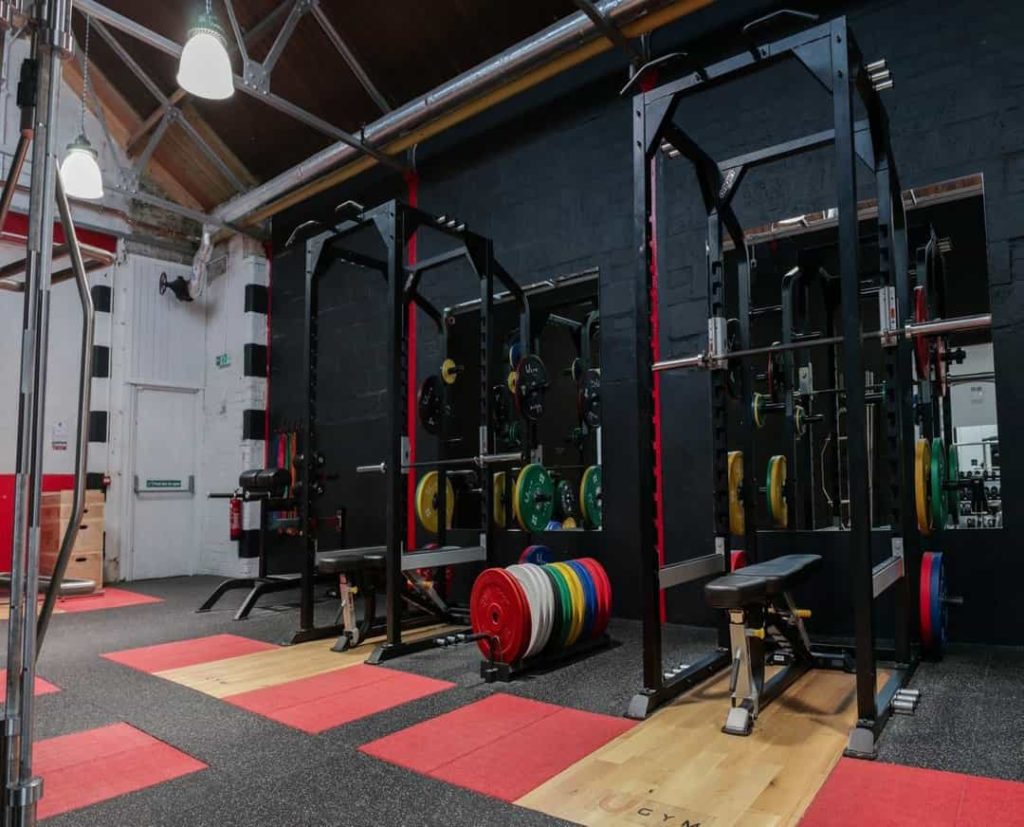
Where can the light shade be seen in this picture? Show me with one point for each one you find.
(205, 68)
(80, 171)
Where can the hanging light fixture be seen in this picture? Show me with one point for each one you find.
(205, 68)
(80, 171)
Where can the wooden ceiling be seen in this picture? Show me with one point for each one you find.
(406, 47)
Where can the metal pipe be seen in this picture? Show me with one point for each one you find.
(167, 46)
(572, 31)
(482, 460)
(22, 790)
(17, 164)
(957, 324)
(938, 327)
(84, 402)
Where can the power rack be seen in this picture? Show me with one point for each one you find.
(829, 52)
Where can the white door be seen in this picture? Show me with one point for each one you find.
(164, 538)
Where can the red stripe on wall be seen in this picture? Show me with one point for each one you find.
(647, 84)
(51, 482)
(412, 180)
(16, 227)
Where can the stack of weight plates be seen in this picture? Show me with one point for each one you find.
(532, 609)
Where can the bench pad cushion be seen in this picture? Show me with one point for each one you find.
(754, 584)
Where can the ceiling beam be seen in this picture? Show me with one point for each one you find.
(171, 113)
(125, 24)
(122, 120)
(252, 36)
(349, 57)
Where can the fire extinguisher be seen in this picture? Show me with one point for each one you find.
(235, 517)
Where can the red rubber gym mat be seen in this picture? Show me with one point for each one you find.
(324, 701)
(42, 687)
(107, 599)
(181, 653)
(99, 764)
(502, 746)
(866, 792)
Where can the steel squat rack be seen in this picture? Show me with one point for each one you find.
(829, 52)
(395, 224)
(51, 43)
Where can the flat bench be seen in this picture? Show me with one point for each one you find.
(347, 560)
(761, 581)
(762, 618)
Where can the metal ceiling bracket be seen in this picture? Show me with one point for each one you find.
(255, 77)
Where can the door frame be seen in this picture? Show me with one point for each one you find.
(129, 497)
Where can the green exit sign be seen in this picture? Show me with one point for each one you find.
(223, 361)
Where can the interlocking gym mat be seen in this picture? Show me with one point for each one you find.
(87, 767)
(502, 746)
(322, 702)
(181, 653)
(890, 795)
(42, 687)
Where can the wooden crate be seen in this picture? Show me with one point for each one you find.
(86, 561)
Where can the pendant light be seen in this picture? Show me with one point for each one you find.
(205, 68)
(80, 171)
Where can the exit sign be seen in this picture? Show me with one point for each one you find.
(223, 361)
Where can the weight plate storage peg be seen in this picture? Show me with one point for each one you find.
(427, 501)
(498, 607)
(775, 488)
(922, 485)
(938, 482)
(932, 603)
(533, 502)
(590, 496)
(737, 518)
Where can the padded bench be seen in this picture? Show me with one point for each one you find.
(346, 560)
(762, 617)
(760, 582)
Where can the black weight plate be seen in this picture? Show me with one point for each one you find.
(501, 407)
(590, 398)
(532, 405)
(429, 405)
(533, 375)
(565, 499)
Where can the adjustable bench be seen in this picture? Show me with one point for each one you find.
(762, 617)
(360, 572)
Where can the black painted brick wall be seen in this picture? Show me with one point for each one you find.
(554, 190)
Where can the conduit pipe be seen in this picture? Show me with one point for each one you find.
(574, 39)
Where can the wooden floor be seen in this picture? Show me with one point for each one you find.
(679, 766)
(221, 678)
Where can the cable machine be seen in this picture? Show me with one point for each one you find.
(831, 55)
